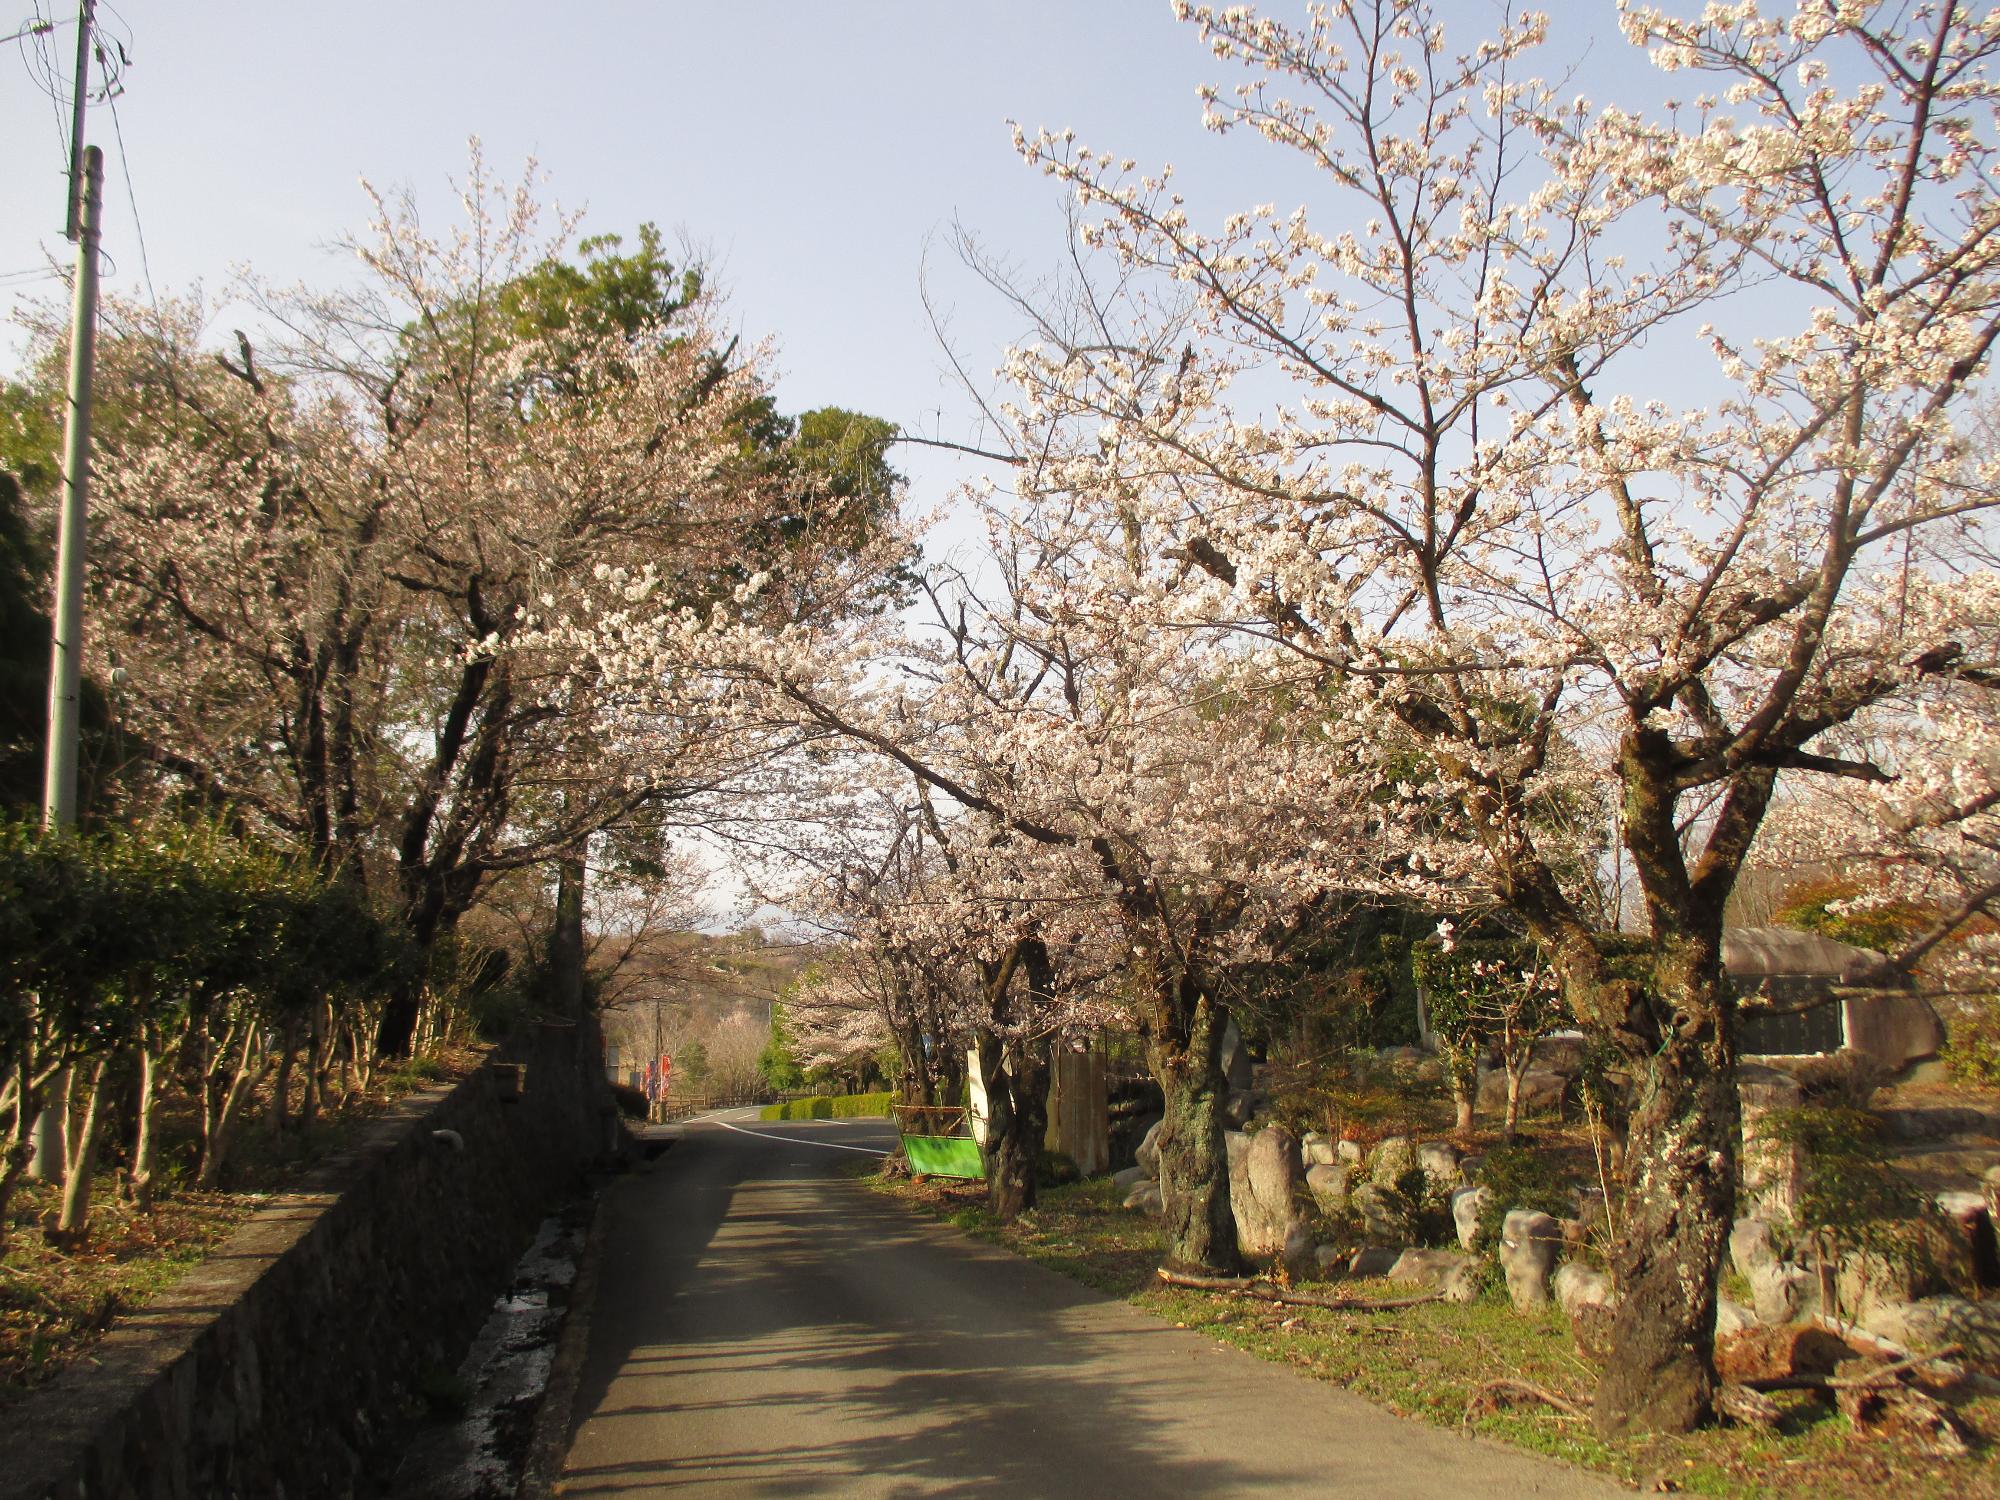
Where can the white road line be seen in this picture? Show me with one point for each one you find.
(795, 1140)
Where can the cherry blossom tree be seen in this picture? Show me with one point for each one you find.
(1561, 423)
(320, 562)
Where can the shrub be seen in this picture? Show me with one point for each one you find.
(1972, 1052)
(832, 1107)
(1517, 1177)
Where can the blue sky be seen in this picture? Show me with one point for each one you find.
(815, 147)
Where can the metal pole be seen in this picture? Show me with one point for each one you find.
(65, 670)
(86, 18)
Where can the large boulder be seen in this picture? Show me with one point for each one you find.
(1542, 1092)
(1392, 1157)
(1732, 1317)
(1439, 1159)
(1381, 1224)
(1123, 1182)
(1350, 1151)
(1240, 1108)
(1467, 1204)
(1457, 1276)
(1332, 1258)
(1782, 1292)
(1317, 1150)
(1867, 1281)
(1529, 1244)
(1265, 1176)
(1145, 1197)
(1577, 1285)
(1752, 1243)
(1933, 1322)
(1773, 1169)
(1329, 1186)
(1374, 1260)
(1148, 1154)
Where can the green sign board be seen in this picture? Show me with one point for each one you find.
(944, 1156)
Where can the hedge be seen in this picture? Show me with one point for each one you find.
(832, 1107)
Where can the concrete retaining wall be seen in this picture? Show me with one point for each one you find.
(283, 1364)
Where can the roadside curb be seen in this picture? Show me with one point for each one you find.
(549, 1444)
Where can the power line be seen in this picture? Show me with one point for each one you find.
(138, 229)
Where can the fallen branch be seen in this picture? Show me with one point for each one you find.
(1487, 1399)
(1881, 1375)
(1264, 1291)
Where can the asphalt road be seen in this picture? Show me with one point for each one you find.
(764, 1326)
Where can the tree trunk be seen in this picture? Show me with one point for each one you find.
(566, 938)
(1194, 1163)
(220, 1118)
(146, 1147)
(1511, 1125)
(1680, 1199)
(74, 1224)
(1461, 1104)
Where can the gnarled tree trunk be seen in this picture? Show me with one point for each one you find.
(1680, 1199)
(1184, 1028)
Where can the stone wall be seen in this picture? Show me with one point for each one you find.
(283, 1364)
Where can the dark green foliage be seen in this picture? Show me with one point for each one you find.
(776, 1064)
(832, 1107)
(1421, 1208)
(1517, 1177)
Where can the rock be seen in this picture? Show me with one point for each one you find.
(1392, 1157)
(1297, 1254)
(1381, 1224)
(1529, 1242)
(1236, 1066)
(1577, 1285)
(1439, 1159)
(1780, 1353)
(1329, 1256)
(1373, 1260)
(1123, 1182)
(1265, 1176)
(1328, 1186)
(1732, 1317)
(1351, 1152)
(1989, 1182)
(1145, 1196)
(1933, 1322)
(1466, 1206)
(1542, 1092)
(1240, 1108)
(1470, 1168)
(1865, 1279)
(1457, 1276)
(1782, 1292)
(1752, 1243)
(1773, 1171)
(1407, 1055)
(1560, 1052)
(1316, 1150)
(1148, 1154)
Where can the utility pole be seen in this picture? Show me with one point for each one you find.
(65, 667)
(86, 197)
(85, 22)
